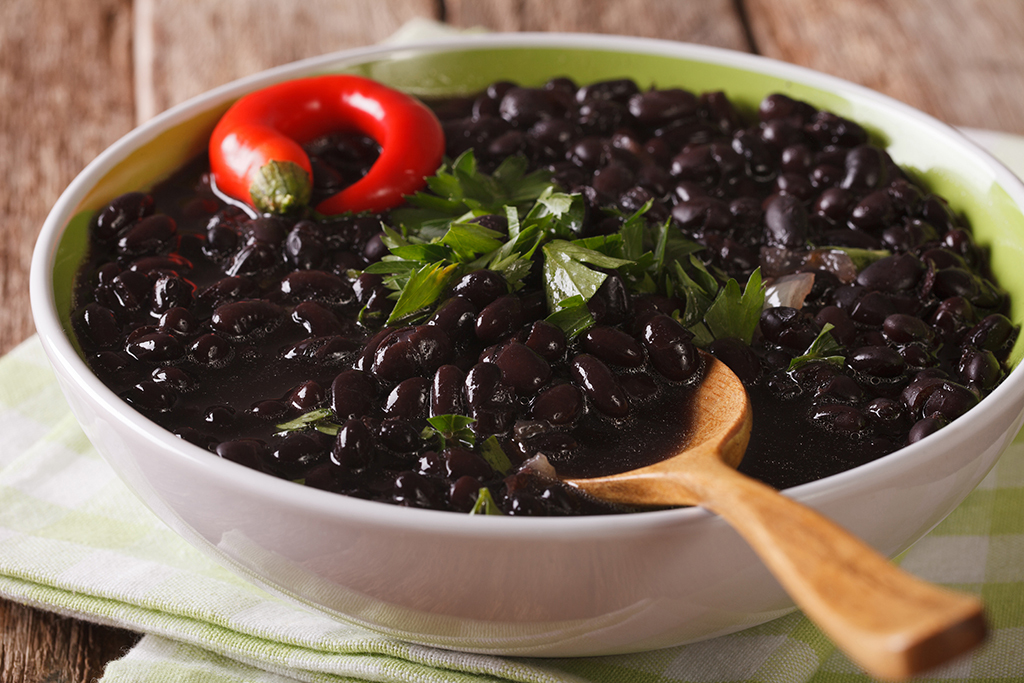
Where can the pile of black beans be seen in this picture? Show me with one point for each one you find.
(221, 325)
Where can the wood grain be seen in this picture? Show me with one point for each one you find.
(65, 85)
(184, 47)
(40, 646)
(709, 22)
(959, 60)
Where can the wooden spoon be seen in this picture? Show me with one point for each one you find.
(889, 622)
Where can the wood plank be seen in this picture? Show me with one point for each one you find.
(65, 74)
(41, 646)
(184, 47)
(959, 60)
(65, 70)
(708, 22)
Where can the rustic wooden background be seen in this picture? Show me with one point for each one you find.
(75, 75)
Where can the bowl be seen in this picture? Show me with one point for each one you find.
(527, 586)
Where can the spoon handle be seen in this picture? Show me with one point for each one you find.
(891, 623)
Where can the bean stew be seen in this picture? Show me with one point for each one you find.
(541, 303)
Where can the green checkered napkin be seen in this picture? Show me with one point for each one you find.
(74, 540)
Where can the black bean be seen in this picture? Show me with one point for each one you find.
(151, 397)
(484, 388)
(695, 164)
(842, 389)
(835, 204)
(526, 106)
(499, 319)
(788, 327)
(155, 347)
(398, 435)
(657, 107)
(270, 409)
(953, 316)
(979, 368)
(829, 129)
(798, 185)
(303, 285)
(131, 290)
(211, 351)
(560, 404)
(174, 377)
(994, 332)
(409, 400)
(843, 330)
(121, 213)
(522, 369)
(304, 246)
(926, 427)
(620, 90)
(252, 318)
(950, 400)
(865, 168)
(317, 319)
(169, 264)
(352, 394)
(904, 329)
(886, 412)
(892, 273)
(546, 340)
(219, 416)
(839, 418)
(600, 385)
(353, 447)
(877, 361)
(266, 229)
(251, 453)
(457, 317)
(481, 287)
(170, 291)
(785, 220)
(920, 388)
(99, 324)
(306, 396)
(669, 348)
(872, 309)
(149, 236)
(412, 489)
(178, 321)
(613, 346)
(228, 289)
(701, 214)
(460, 462)
(446, 391)
(872, 213)
(296, 453)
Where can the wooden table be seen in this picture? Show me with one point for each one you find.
(75, 76)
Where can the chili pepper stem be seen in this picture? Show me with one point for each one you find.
(280, 186)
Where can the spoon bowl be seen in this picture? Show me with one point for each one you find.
(891, 623)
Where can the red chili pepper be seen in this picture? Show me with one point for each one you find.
(256, 154)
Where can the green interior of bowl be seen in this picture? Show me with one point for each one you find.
(943, 164)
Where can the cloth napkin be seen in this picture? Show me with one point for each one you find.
(74, 540)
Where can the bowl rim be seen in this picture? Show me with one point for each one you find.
(61, 352)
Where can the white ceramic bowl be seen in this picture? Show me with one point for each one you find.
(515, 586)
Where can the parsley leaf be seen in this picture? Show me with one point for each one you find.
(451, 430)
(422, 290)
(823, 348)
(567, 274)
(485, 504)
(317, 419)
(736, 314)
(495, 455)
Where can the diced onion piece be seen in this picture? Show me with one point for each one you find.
(539, 464)
(789, 290)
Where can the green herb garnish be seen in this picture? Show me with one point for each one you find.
(823, 348)
(451, 430)
(495, 455)
(485, 504)
(314, 419)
